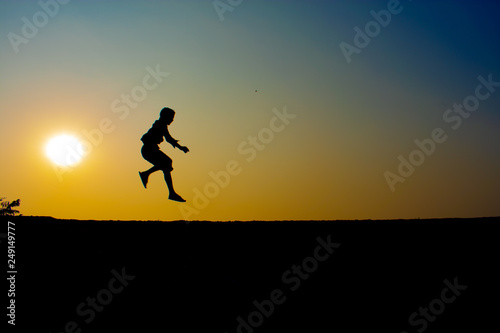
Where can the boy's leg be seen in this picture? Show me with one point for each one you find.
(150, 154)
(172, 195)
(151, 170)
(145, 175)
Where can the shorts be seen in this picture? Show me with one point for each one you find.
(155, 156)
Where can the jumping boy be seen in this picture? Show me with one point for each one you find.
(152, 153)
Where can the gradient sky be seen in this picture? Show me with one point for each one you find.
(352, 120)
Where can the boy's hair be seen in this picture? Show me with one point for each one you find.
(165, 112)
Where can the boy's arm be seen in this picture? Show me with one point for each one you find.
(173, 142)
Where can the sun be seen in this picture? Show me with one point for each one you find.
(64, 150)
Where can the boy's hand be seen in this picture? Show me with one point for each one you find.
(184, 149)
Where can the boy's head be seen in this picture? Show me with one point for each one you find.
(167, 114)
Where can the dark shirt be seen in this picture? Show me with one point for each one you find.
(156, 134)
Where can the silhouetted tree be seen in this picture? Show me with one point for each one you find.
(7, 207)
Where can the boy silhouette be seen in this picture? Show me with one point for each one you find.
(152, 153)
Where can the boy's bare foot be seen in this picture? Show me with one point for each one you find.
(144, 179)
(176, 197)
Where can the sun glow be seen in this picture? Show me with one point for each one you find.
(64, 150)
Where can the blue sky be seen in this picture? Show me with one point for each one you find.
(353, 119)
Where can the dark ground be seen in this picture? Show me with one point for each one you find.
(202, 276)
